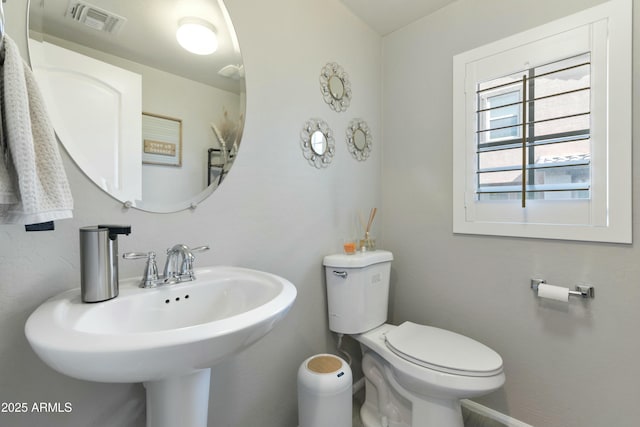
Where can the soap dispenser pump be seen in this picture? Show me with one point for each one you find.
(99, 261)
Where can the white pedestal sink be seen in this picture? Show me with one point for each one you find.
(166, 337)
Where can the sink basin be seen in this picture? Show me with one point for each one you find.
(166, 337)
(150, 334)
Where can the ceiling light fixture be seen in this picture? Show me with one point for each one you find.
(197, 36)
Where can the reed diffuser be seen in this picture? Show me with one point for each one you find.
(368, 243)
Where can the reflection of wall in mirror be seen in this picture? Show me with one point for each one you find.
(197, 105)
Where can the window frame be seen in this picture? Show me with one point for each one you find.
(607, 216)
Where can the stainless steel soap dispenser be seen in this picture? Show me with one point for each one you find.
(99, 261)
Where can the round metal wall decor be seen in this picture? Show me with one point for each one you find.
(359, 139)
(335, 87)
(317, 143)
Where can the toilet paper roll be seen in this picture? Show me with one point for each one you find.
(557, 293)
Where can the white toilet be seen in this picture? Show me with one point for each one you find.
(415, 375)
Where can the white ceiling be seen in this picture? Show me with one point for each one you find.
(386, 16)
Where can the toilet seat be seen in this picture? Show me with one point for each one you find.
(453, 354)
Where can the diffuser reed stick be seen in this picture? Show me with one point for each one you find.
(372, 215)
(367, 244)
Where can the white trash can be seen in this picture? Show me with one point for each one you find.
(324, 392)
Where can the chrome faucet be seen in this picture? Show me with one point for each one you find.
(178, 266)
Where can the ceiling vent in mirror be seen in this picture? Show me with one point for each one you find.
(94, 17)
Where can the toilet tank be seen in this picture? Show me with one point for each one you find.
(357, 290)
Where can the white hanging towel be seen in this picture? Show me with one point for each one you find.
(8, 192)
(34, 170)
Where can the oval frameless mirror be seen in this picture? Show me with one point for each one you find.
(153, 125)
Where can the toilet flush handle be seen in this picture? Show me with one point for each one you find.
(342, 274)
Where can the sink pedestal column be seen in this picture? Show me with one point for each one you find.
(179, 401)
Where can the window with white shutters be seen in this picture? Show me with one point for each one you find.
(542, 131)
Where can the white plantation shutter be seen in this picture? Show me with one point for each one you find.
(533, 133)
(542, 131)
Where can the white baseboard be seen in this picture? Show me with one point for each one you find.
(493, 414)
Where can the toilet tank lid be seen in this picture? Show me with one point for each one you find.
(357, 260)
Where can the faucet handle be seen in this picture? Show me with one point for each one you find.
(150, 277)
(185, 249)
(201, 248)
(190, 258)
(136, 255)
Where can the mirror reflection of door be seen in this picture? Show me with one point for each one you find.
(104, 102)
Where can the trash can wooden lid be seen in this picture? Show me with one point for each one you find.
(324, 364)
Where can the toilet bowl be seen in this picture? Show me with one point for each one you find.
(431, 378)
(415, 375)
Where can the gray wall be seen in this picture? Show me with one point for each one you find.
(567, 365)
(274, 212)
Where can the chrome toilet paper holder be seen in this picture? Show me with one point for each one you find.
(582, 290)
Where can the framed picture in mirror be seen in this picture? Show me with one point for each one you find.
(161, 140)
